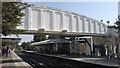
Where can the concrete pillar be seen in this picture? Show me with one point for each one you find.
(118, 47)
(56, 47)
(91, 44)
(70, 48)
(0, 43)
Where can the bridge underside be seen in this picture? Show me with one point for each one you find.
(64, 33)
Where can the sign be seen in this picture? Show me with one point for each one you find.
(82, 48)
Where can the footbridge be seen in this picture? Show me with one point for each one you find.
(47, 20)
(57, 20)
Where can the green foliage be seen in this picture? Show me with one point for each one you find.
(11, 17)
(26, 45)
(118, 25)
(39, 37)
(108, 22)
(52, 37)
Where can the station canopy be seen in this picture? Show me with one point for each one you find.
(10, 41)
(50, 41)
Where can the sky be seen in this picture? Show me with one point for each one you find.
(70, 0)
(97, 10)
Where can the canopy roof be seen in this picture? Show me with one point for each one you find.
(51, 41)
(10, 41)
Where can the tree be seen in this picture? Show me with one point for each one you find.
(101, 21)
(39, 37)
(26, 45)
(11, 17)
(52, 37)
(108, 22)
(118, 26)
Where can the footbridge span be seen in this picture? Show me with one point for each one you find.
(47, 20)
(57, 20)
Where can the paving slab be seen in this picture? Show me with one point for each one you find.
(13, 61)
(100, 61)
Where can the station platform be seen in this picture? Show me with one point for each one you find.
(93, 60)
(99, 61)
(13, 61)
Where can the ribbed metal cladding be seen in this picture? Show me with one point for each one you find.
(58, 20)
(38, 19)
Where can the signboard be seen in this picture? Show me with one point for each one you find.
(82, 48)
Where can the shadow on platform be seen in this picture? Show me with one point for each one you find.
(11, 61)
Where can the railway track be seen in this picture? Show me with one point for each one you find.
(37, 60)
(40, 62)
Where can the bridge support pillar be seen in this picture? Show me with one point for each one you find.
(118, 48)
(89, 41)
